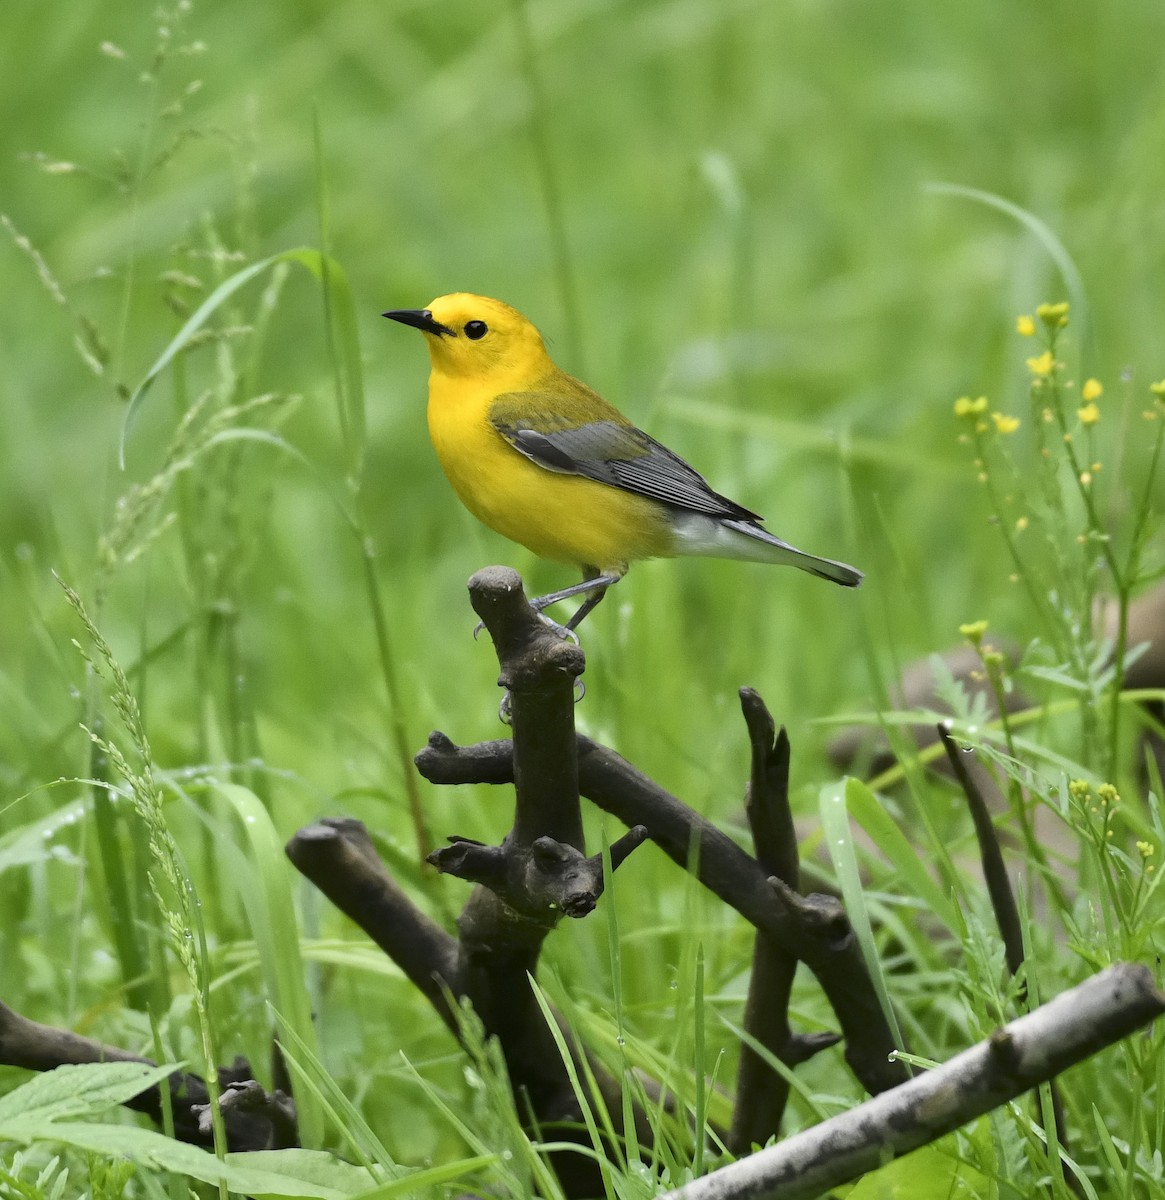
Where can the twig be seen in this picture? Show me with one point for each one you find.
(545, 878)
(991, 855)
(1002, 898)
(1028, 1051)
(761, 1092)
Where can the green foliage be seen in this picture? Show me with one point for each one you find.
(49, 1108)
(783, 238)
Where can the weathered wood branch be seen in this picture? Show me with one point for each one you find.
(1028, 1051)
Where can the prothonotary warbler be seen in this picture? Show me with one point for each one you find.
(539, 457)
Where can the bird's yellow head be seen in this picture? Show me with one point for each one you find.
(478, 337)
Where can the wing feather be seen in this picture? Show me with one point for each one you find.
(587, 437)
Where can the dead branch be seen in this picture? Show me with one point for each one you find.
(813, 929)
(999, 890)
(266, 1122)
(1028, 1051)
(761, 1092)
(338, 856)
(538, 874)
(991, 855)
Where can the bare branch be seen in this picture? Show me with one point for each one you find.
(813, 929)
(1027, 1052)
(540, 881)
(761, 1092)
(994, 868)
(538, 669)
(267, 1123)
(999, 889)
(337, 855)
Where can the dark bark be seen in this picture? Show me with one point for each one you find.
(265, 1122)
(526, 885)
(762, 1092)
(813, 929)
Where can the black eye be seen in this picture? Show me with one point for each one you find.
(474, 330)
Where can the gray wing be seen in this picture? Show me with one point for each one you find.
(613, 453)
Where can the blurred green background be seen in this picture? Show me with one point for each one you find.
(718, 214)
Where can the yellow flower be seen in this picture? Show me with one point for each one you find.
(1042, 365)
(1093, 389)
(1054, 316)
(966, 407)
(1089, 414)
(1158, 389)
(973, 631)
(1085, 477)
(1145, 849)
(1021, 524)
(1004, 424)
(1025, 326)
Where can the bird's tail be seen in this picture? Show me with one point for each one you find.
(765, 547)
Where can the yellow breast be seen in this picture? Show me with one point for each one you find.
(562, 517)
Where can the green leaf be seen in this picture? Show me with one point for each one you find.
(839, 841)
(266, 892)
(33, 842)
(866, 809)
(932, 1172)
(306, 1169)
(158, 1152)
(429, 1178)
(74, 1091)
(329, 273)
(1043, 233)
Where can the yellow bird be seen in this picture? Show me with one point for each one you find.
(539, 457)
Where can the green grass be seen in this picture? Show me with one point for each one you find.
(723, 216)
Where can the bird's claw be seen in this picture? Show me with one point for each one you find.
(564, 631)
(505, 712)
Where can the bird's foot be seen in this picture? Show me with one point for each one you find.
(564, 631)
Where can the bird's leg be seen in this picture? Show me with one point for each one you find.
(593, 582)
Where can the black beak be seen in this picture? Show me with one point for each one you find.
(419, 318)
